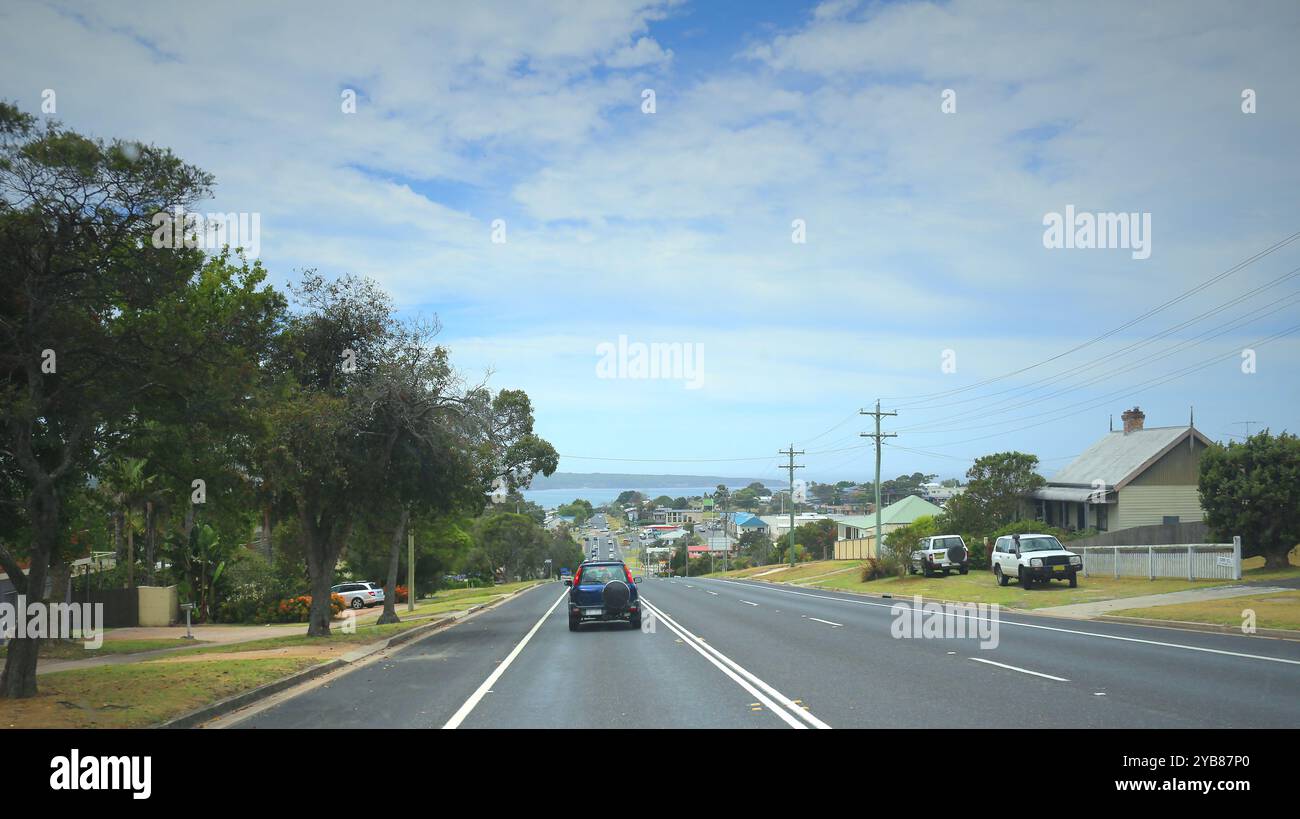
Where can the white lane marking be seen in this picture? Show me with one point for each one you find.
(827, 622)
(797, 710)
(695, 643)
(747, 603)
(1037, 626)
(715, 594)
(459, 717)
(1017, 668)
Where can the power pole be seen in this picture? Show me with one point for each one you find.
(410, 570)
(877, 435)
(792, 467)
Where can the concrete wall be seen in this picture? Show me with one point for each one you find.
(158, 605)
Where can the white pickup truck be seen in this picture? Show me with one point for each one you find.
(940, 554)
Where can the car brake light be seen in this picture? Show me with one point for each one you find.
(628, 572)
(577, 578)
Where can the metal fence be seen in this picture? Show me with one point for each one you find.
(1192, 561)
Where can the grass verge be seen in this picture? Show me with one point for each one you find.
(1279, 610)
(980, 587)
(154, 689)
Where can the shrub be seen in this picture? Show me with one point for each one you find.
(250, 583)
(873, 569)
(399, 594)
(296, 609)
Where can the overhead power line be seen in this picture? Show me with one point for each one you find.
(1103, 336)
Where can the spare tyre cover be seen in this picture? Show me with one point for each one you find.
(616, 595)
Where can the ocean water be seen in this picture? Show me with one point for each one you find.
(551, 498)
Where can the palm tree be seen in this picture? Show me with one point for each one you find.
(132, 494)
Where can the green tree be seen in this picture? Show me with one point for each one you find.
(757, 546)
(92, 343)
(324, 455)
(997, 484)
(901, 542)
(1252, 489)
(817, 537)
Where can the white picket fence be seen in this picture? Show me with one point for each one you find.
(1194, 561)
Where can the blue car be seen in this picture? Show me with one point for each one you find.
(603, 591)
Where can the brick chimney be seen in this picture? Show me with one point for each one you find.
(1132, 420)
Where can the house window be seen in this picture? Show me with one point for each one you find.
(1168, 519)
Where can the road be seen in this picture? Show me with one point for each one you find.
(753, 655)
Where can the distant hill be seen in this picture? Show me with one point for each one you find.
(616, 480)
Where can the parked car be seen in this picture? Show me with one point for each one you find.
(1034, 558)
(360, 595)
(604, 591)
(940, 553)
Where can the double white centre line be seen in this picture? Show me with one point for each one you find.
(776, 702)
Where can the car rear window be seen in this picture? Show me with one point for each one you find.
(601, 574)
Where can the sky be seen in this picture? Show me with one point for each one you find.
(831, 203)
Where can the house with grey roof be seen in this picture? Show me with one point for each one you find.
(1131, 477)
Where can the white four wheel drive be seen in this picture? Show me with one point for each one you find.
(1032, 558)
(940, 554)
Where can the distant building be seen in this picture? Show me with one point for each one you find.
(778, 526)
(738, 523)
(856, 535)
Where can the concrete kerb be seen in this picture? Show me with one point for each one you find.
(234, 703)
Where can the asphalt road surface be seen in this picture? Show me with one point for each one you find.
(735, 654)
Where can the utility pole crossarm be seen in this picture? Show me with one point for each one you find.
(877, 436)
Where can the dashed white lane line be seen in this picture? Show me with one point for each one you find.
(827, 622)
(715, 594)
(747, 603)
(1013, 623)
(1017, 668)
(465, 709)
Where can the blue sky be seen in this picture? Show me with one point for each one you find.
(924, 229)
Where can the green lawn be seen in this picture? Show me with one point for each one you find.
(136, 695)
(1279, 610)
(158, 688)
(980, 587)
